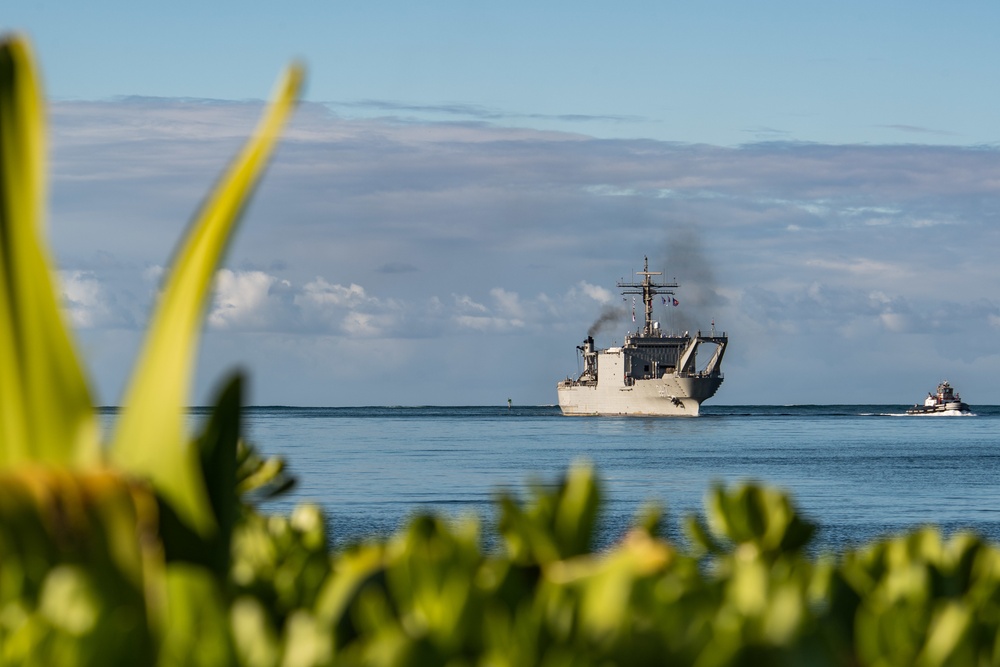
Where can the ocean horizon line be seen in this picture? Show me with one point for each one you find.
(276, 406)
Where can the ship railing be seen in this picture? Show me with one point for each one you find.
(701, 374)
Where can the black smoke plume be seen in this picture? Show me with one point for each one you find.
(609, 315)
(685, 260)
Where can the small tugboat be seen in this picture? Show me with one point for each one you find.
(944, 402)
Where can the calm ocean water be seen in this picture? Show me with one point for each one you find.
(860, 471)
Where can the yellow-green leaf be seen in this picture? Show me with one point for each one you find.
(150, 439)
(46, 412)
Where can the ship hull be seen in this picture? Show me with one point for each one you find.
(951, 409)
(669, 396)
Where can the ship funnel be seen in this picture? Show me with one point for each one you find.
(589, 359)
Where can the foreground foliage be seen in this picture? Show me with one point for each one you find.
(150, 550)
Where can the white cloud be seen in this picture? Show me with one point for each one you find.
(894, 322)
(610, 191)
(82, 298)
(321, 293)
(153, 274)
(923, 223)
(244, 299)
(507, 315)
(879, 297)
(350, 311)
(859, 266)
(598, 294)
(508, 303)
(488, 324)
(465, 303)
(359, 325)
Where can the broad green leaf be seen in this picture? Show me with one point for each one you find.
(150, 439)
(46, 412)
(217, 449)
(197, 629)
(576, 513)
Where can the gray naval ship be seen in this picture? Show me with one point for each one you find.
(652, 374)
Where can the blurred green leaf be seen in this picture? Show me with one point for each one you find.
(78, 567)
(353, 572)
(948, 637)
(577, 510)
(754, 516)
(197, 630)
(46, 415)
(306, 643)
(258, 478)
(650, 519)
(554, 523)
(150, 439)
(217, 446)
(253, 633)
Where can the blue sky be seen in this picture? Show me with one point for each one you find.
(463, 185)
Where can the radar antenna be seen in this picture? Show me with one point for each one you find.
(648, 289)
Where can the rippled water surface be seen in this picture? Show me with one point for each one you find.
(860, 471)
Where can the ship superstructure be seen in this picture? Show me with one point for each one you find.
(652, 373)
(944, 402)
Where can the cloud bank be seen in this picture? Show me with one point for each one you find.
(393, 261)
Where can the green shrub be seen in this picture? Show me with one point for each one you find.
(150, 550)
(115, 553)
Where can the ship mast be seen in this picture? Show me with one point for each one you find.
(648, 289)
